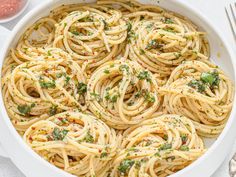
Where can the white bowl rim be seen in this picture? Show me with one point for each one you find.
(30, 153)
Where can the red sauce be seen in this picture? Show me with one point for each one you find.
(9, 8)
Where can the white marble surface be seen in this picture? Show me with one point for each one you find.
(214, 9)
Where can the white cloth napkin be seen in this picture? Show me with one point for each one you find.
(214, 9)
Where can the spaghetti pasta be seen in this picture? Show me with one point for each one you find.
(201, 92)
(37, 89)
(39, 35)
(115, 88)
(161, 41)
(76, 142)
(158, 147)
(91, 34)
(122, 93)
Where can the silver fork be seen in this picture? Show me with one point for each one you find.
(231, 15)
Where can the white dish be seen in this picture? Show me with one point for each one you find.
(17, 14)
(33, 165)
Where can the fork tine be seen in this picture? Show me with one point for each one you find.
(230, 22)
(232, 12)
(234, 19)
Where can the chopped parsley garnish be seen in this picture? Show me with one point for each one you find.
(124, 68)
(46, 85)
(177, 54)
(96, 96)
(145, 159)
(211, 78)
(138, 94)
(58, 134)
(148, 97)
(142, 52)
(86, 19)
(144, 75)
(107, 96)
(154, 44)
(169, 30)
(75, 33)
(168, 21)
(114, 98)
(130, 103)
(184, 138)
(67, 79)
(53, 110)
(148, 142)
(63, 120)
(88, 138)
(157, 154)
(25, 109)
(110, 98)
(125, 165)
(36, 27)
(90, 33)
(12, 67)
(105, 25)
(59, 75)
(133, 149)
(106, 71)
(198, 85)
(184, 148)
(82, 88)
(131, 35)
(165, 147)
(137, 164)
(103, 154)
(49, 53)
(149, 26)
(146, 94)
(129, 26)
(165, 137)
(171, 158)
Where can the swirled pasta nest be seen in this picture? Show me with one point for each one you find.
(73, 141)
(91, 34)
(122, 93)
(158, 147)
(201, 92)
(161, 41)
(37, 89)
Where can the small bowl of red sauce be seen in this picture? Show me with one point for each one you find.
(10, 9)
